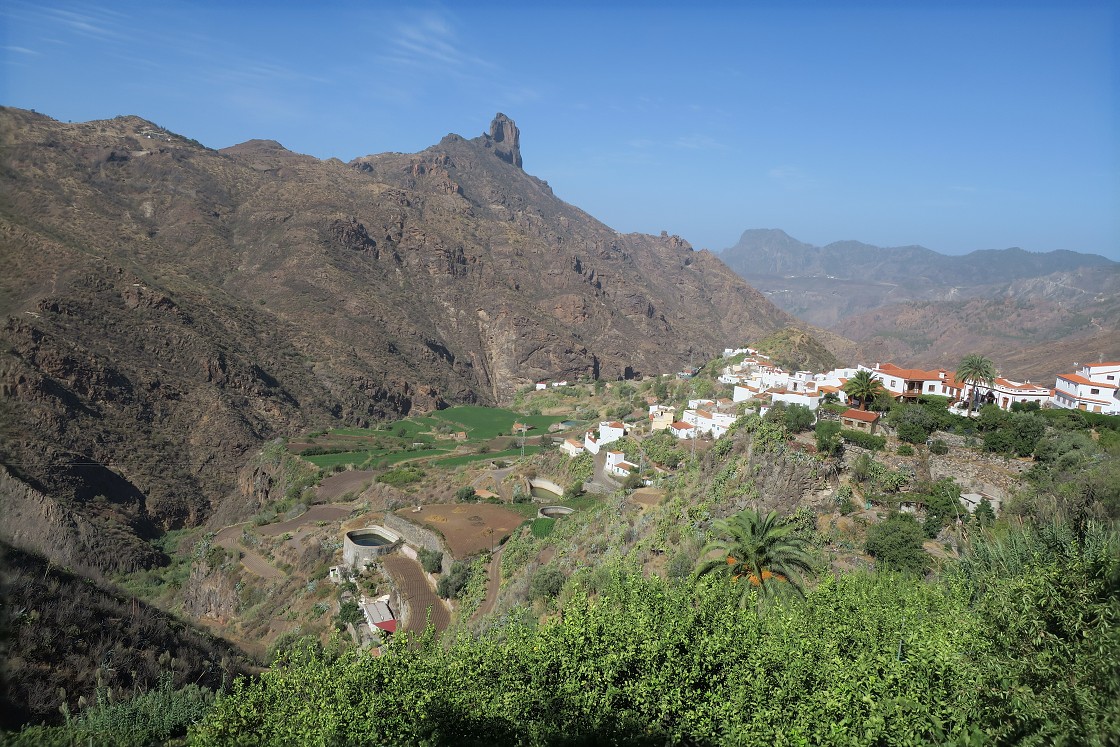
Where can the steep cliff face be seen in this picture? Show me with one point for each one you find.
(168, 308)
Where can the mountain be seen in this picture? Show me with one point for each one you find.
(168, 308)
(1035, 314)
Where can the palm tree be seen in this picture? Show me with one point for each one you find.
(756, 551)
(975, 369)
(864, 387)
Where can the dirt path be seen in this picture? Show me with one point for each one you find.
(495, 576)
(229, 538)
(417, 594)
(321, 512)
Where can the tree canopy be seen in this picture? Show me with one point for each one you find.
(756, 550)
(863, 387)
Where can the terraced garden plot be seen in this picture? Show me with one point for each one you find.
(413, 585)
(469, 528)
(461, 459)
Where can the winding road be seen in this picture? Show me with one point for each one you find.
(495, 580)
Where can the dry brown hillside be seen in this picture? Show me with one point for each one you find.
(167, 308)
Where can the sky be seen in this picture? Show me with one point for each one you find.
(955, 125)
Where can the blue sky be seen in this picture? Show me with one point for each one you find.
(954, 125)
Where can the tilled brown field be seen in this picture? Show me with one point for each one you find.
(469, 528)
(417, 594)
(336, 486)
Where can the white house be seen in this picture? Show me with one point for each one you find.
(746, 391)
(590, 443)
(810, 399)
(571, 447)
(1092, 389)
(610, 431)
(681, 429)
(911, 383)
(1009, 392)
(706, 421)
(618, 466)
(542, 385)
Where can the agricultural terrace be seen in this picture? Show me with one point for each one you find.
(424, 436)
(469, 528)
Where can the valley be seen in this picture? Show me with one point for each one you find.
(303, 417)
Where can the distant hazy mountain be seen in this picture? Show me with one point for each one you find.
(1034, 313)
(769, 252)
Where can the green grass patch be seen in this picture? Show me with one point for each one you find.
(542, 527)
(485, 423)
(346, 457)
(456, 461)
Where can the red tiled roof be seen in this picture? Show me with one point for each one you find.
(679, 425)
(389, 626)
(864, 415)
(910, 373)
(1075, 379)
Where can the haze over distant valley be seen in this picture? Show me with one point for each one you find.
(1035, 314)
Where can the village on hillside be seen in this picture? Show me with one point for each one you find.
(757, 379)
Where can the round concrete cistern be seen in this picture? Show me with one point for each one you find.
(553, 512)
(362, 546)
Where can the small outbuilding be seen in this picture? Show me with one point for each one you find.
(859, 420)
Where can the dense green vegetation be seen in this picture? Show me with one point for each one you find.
(1017, 644)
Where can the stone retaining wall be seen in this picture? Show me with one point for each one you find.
(418, 536)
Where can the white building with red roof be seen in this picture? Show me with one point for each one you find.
(681, 429)
(571, 447)
(618, 466)
(911, 383)
(1092, 389)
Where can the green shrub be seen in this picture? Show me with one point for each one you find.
(431, 560)
(863, 440)
(939, 447)
(905, 450)
(897, 544)
(546, 582)
(401, 476)
(828, 437)
(466, 494)
(349, 612)
(453, 584)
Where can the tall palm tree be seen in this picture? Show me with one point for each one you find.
(756, 551)
(975, 369)
(864, 387)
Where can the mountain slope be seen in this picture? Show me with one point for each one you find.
(1035, 314)
(169, 307)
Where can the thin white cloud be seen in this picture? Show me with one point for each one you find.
(96, 22)
(429, 43)
(22, 50)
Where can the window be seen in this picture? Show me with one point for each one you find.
(1094, 391)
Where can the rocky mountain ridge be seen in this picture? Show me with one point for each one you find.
(168, 308)
(1035, 314)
